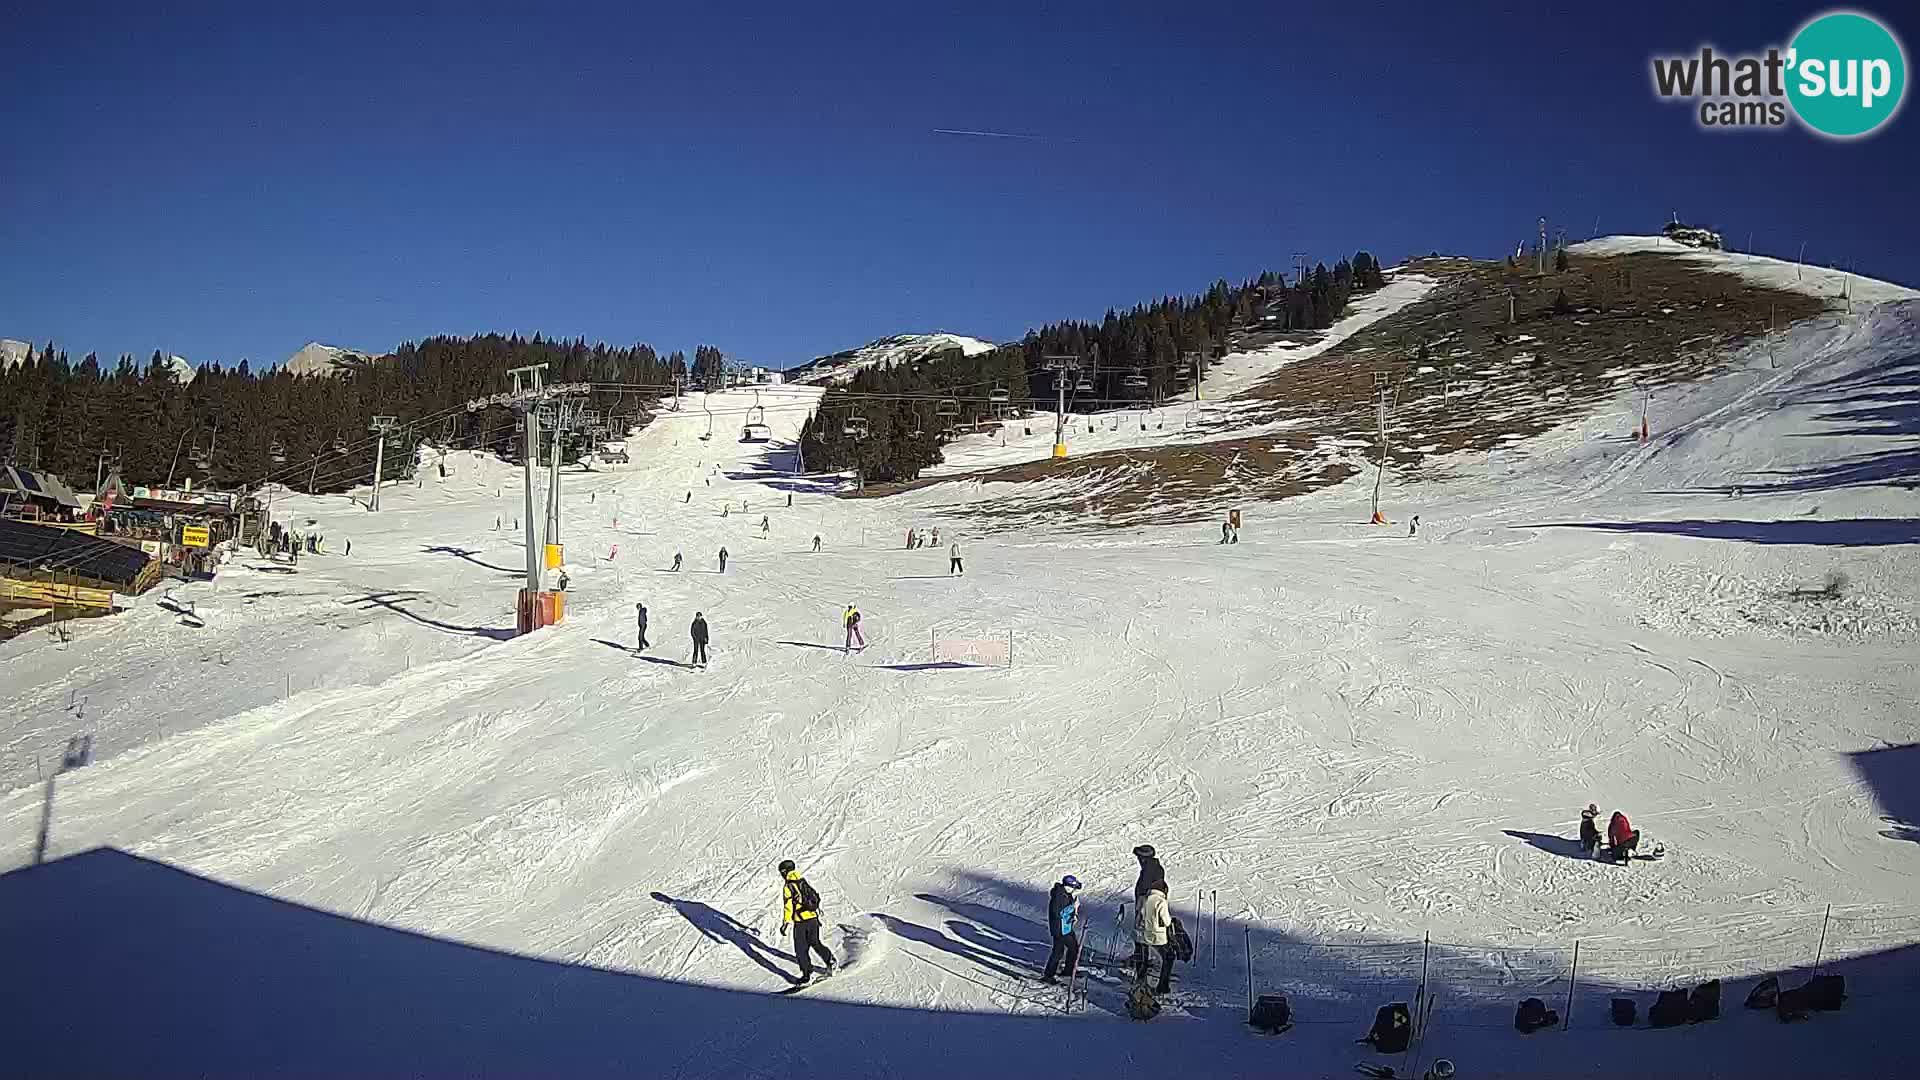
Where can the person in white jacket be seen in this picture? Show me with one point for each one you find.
(1150, 930)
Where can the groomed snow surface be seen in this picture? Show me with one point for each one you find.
(355, 827)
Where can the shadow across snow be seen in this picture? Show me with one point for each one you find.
(191, 976)
(1893, 772)
(1830, 532)
(396, 602)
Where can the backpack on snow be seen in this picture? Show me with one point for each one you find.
(1141, 1004)
(1825, 993)
(1765, 993)
(1271, 1014)
(1180, 943)
(1669, 1009)
(1625, 1011)
(1392, 1027)
(1532, 1015)
(1704, 1003)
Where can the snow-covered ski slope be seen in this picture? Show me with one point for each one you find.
(1215, 415)
(451, 851)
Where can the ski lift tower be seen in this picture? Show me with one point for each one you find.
(1382, 387)
(537, 607)
(1065, 369)
(380, 426)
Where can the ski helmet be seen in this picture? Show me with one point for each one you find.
(1070, 881)
(1145, 851)
(786, 866)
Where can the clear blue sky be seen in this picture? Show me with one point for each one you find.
(227, 185)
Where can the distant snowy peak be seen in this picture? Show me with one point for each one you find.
(886, 352)
(317, 359)
(15, 352)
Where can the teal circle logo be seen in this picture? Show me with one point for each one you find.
(1846, 74)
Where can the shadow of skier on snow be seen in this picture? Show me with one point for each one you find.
(721, 927)
(1558, 845)
(926, 935)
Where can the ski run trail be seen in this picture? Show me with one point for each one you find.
(341, 821)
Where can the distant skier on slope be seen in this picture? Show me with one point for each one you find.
(1150, 871)
(676, 562)
(953, 563)
(1150, 929)
(1226, 532)
(1590, 831)
(699, 631)
(816, 542)
(723, 560)
(1063, 923)
(763, 525)
(1413, 527)
(1622, 837)
(800, 911)
(640, 613)
(851, 620)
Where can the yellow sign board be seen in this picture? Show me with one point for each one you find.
(194, 535)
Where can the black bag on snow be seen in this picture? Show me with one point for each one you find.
(1392, 1027)
(1704, 1002)
(1141, 1004)
(1825, 993)
(1765, 993)
(1272, 1013)
(1669, 1009)
(1625, 1011)
(1532, 1015)
(1792, 1005)
(1179, 943)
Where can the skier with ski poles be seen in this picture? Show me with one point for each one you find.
(800, 915)
(1063, 923)
(699, 632)
(850, 619)
(816, 543)
(676, 562)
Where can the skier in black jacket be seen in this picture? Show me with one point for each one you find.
(1063, 923)
(1150, 871)
(640, 612)
(699, 639)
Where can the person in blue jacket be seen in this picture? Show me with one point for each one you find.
(1063, 923)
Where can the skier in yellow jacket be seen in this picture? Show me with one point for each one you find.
(800, 910)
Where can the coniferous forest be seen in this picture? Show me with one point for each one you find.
(888, 422)
(231, 428)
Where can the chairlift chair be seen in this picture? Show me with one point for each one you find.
(998, 395)
(278, 452)
(1135, 382)
(1084, 386)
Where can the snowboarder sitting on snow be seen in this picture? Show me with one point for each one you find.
(1622, 837)
(1150, 937)
(1063, 922)
(1590, 831)
(800, 911)
(1150, 872)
